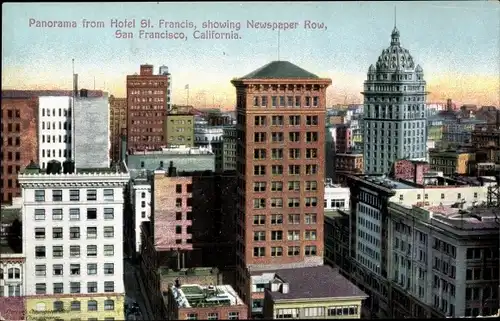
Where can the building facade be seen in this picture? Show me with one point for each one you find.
(73, 241)
(179, 130)
(279, 189)
(451, 161)
(117, 124)
(394, 120)
(336, 197)
(230, 140)
(147, 103)
(140, 189)
(19, 141)
(55, 128)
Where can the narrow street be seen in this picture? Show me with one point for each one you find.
(133, 292)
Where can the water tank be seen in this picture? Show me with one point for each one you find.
(163, 70)
(68, 167)
(54, 167)
(172, 171)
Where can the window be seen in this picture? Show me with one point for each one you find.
(276, 202)
(293, 235)
(74, 233)
(259, 251)
(40, 288)
(277, 137)
(277, 120)
(109, 286)
(57, 214)
(74, 269)
(58, 289)
(259, 186)
(260, 137)
(311, 120)
(311, 137)
(40, 252)
(276, 235)
(57, 195)
(109, 305)
(178, 229)
(294, 219)
(108, 194)
(276, 219)
(92, 305)
(259, 153)
(276, 186)
(192, 316)
(57, 251)
(74, 195)
(310, 235)
(311, 153)
(294, 153)
(311, 169)
(40, 270)
(260, 120)
(178, 202)
(294, 202)
(91, 268)
(75, 306)
(310, 250)
(57, 269)
(57, 233)
(259, 170)
(40, 233)
(259, 203)
(293, 250)
(39, 196)
(109, 214)
(91, 287)
(109, 250)
(91, 214)
(259, 236)
(259, 219)
(109, 231)
(213, 316)
(277, 153)
(91, 195)
(295, 119)
(311, 185)
(277, 169)
(74, 214)
(294, 137)
(310, 218)
(74, 287)
(91, 250)
(314, 312)
(276, 251)
(109, 268)
(74, 251)
(294, 169)
(39, 214)
(233, 315)
(91, 232)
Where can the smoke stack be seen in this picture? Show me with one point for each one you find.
(75, 84)
(449, 105)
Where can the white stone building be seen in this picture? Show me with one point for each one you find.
(73, 232)
(54, 129)
(336, 197)
(141, 205)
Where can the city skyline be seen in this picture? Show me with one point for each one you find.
(459, 62)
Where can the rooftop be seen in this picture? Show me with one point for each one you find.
(38, 93)
(319, 282)
(280, 70)
(179, 150)
(471, 217)
(117, 168)
(198, 296)
(200, 271)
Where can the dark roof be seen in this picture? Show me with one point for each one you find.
(314, 283)
(39, 93)
(280, 70)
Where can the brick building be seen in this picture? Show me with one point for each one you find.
(281, 112)
(117, 123)
(147, 106)
(19, 140)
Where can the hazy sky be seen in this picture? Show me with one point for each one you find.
(456, 43)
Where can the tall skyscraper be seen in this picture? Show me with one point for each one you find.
(147, 99)
(280, 163)
(394, 112)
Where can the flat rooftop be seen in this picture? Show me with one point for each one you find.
(199, 296)
(318, 282)
(200, 271)
(478, 217)
(117, 168)
(174, 151)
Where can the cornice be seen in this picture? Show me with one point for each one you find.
(73, 180)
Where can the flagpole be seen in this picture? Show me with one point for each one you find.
(187, 96)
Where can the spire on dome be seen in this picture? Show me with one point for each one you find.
(395, 31)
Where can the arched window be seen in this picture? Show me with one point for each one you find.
(109, 305)
(58, 306)
(92, 305)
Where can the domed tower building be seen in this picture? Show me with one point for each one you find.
(394, 110)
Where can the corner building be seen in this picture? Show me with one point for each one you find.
(394, 110)
(280, 164)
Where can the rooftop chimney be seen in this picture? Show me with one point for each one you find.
(449, 105)
(172, 171)
(146, 70)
